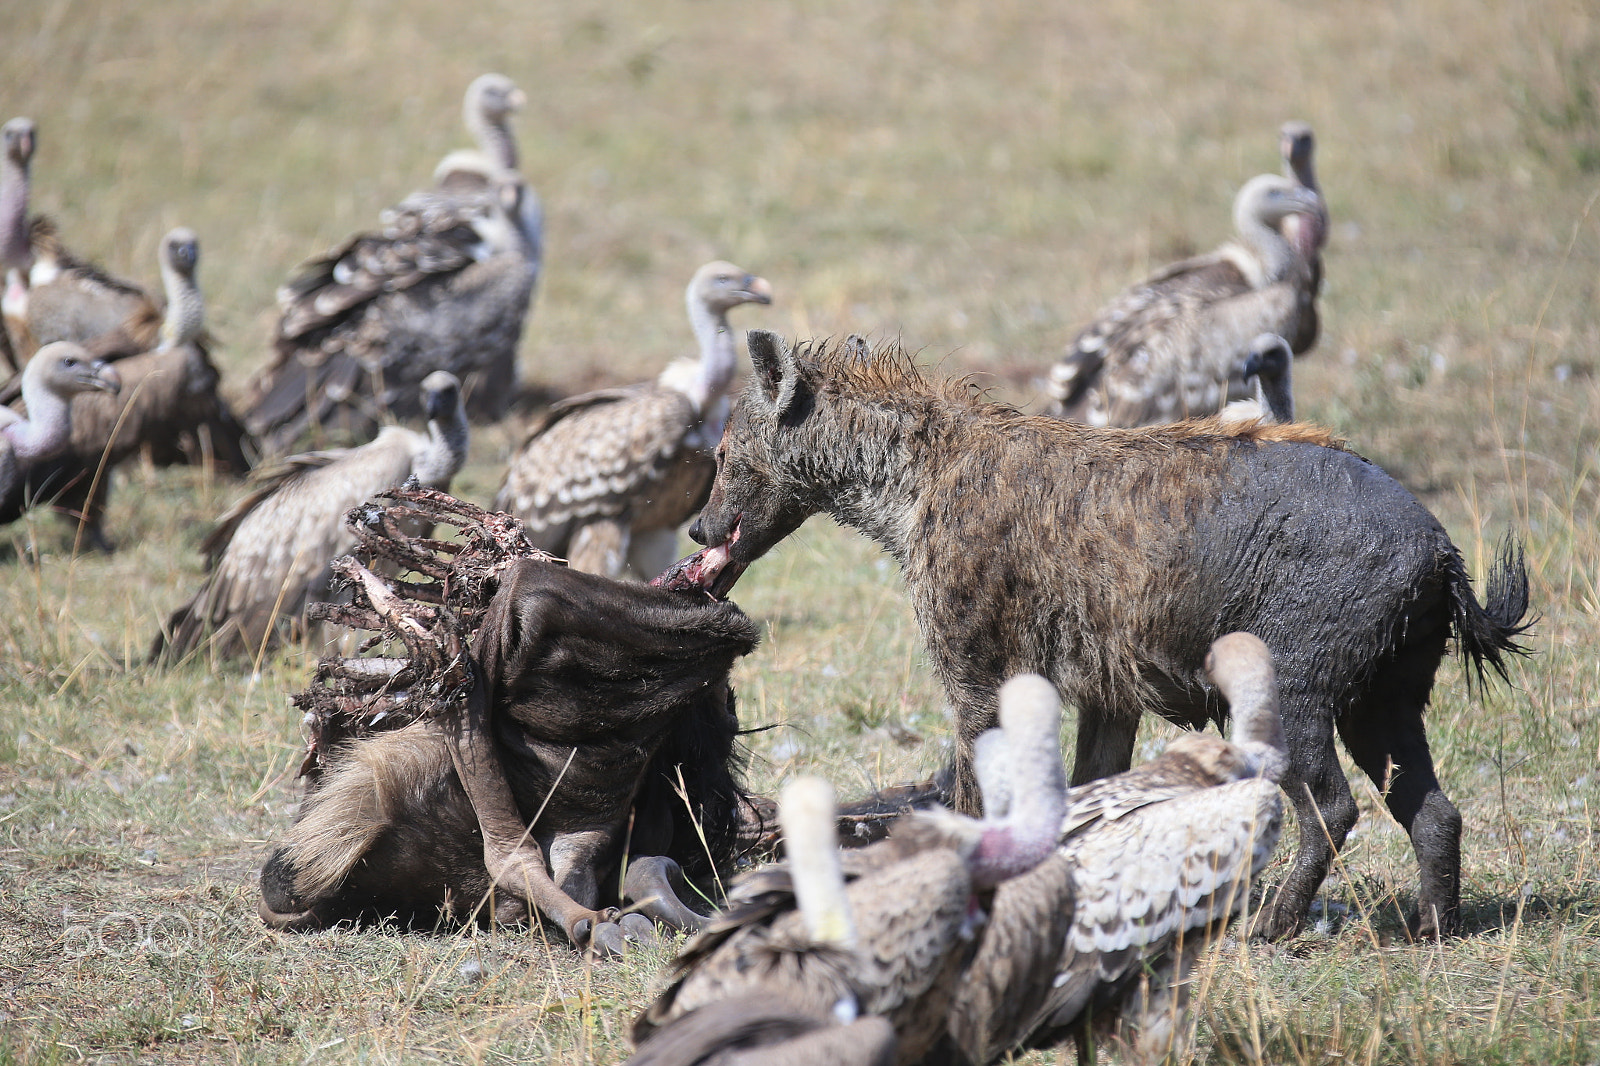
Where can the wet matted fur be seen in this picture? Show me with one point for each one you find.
(1108, 560)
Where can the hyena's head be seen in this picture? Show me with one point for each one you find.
(759, 496)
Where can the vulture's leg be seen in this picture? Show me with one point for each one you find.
(1386, 737)
(599, 547)
(651, 553)
(1323, 806)
(649, 887)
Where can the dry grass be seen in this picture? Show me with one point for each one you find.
(972, 177)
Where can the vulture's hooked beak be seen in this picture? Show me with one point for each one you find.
(758, 289)
(105, 377)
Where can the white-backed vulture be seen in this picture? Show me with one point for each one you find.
(269, 555)
(1152, 864)
(606, 478)
(1271, 364)
(471, 174)
(56, 374)
(1308, 233)
(51, 294)
(169, 409)
(894, 940)
(1171, 347)
(443, 284)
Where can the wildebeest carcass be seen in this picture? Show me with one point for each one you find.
(1109, 560)
(595, 712)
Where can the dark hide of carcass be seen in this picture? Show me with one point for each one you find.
(1109, 560)
(600, 714)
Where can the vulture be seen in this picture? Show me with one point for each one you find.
(1172, 346)
(269, 555)
(443, 284)
(169, 408)
(1308, 233)
(892, 942)
(1152, 865)
(56, 374)
(1270, 363)
(606, 478)
(51, 294)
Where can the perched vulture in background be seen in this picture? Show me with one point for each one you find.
(169, 409)
(51, 294)
(1308, 233)
(1152, 865)
(892, 943)
(443, 285)
(1172, 347)
(268, 555)
(1271, 364)
(605, 479)
(56, 374)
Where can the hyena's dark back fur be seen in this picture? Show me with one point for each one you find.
(1109, 560)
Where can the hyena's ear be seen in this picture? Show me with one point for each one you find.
(776, 368)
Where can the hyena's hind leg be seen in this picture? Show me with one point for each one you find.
(1386, 736)
(1323, 807)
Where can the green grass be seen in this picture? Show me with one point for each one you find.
(974, 178)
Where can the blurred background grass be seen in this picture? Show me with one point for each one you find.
(973, 178)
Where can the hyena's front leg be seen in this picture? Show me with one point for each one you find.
(973, 715)
(1105, 743)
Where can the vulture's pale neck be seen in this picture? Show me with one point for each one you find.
(705, 381)
(16, 251)
(1255, 222)
(1241, 667)
(186, 308)
(810, 843)
(1030, 717)
(446, 452)
(48, 427)
(493, 134)
(991, 757)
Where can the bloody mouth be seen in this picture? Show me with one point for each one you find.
(711, 569)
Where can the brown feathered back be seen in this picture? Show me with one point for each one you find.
(268, 555)
(1172, 347)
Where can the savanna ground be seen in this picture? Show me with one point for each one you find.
(974, 178)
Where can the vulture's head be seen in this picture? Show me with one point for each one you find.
(65, 369)
(1270, 198)
(1297, 143)
(441, 395)
(1240, 665)
(180, 251)
(1269, 358)
(492, 99)
(19, 135)
(720, 286)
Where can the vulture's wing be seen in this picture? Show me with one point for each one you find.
(1120, 364)
(1160, 872)
(270, 552)
(598, 456)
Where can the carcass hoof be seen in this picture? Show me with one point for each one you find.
(637, 929)
(649, 887)
(607, 941)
